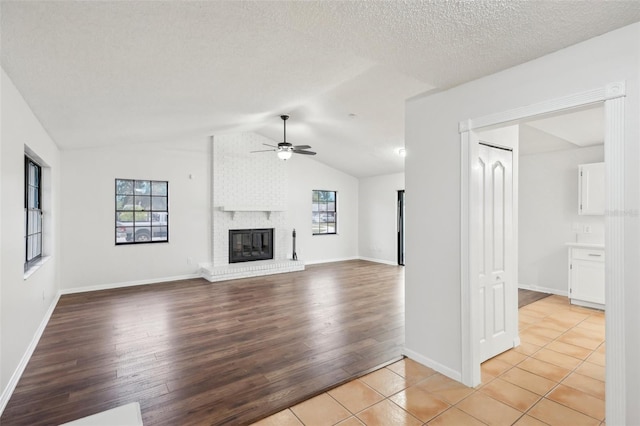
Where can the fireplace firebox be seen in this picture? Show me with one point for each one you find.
(246, 245)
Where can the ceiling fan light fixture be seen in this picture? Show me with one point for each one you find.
(284, 154)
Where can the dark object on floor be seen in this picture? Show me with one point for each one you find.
(526, 297)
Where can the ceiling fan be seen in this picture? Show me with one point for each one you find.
(285, 149)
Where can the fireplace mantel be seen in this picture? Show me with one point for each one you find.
(235, 209)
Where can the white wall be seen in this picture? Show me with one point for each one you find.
(24, 303)
(433, 277)
(91, 258)
(548, 211)
(378, 217)
(305, 175)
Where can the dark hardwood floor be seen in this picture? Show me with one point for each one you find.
(526, 297)
(193, 352)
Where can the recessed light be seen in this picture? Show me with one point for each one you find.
(352, 115)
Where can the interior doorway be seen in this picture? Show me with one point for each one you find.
(401, 223)
(612, 97)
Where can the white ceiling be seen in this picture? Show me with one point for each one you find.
(116, 72)
(582, 128)
(567, 130)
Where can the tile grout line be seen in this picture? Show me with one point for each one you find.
(574, 370)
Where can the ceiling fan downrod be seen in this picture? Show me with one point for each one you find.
(284, 119)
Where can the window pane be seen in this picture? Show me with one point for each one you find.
(124, 233)
(331, 206)
(159, 204)
(315, 207)
(142, 235)
(38, 221)
(323, 207)
(38, 245)
(121, 233)
(31, 226)
(124, 186)
(31, 247)
(158, 188)
(159, 233)
(331, 196)
(314, 196)
(141, 217)
(143, 202)
(33, 197)
(160, 219)
(124, 217)
(33, 174)
(143, 187)
(124, 202)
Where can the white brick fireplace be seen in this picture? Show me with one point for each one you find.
(249, 192)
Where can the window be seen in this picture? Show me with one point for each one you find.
(142, 211)
(324, 213)
(32, 212)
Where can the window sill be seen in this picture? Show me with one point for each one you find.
(36, 266)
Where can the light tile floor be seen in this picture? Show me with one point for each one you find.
(555, 377)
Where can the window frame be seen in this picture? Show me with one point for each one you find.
(29, 260)
(326, 210)
(149, 211)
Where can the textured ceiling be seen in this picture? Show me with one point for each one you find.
(103, 73)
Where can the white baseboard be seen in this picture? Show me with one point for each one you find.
(544, 289)
(386, 262)
(15, 377)
(452, 374)
(316, 262)
(128, 284)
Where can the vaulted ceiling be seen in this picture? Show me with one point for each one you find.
(123, 72)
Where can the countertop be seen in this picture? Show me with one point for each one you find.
(586, 245)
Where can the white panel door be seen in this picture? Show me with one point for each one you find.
(497, 286)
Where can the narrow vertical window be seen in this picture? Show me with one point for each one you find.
(142, 211)
(32, 212)
(324, 213)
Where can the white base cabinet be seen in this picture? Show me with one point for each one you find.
(586, 275)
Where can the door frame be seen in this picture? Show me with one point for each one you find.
(613, 97)
(401, 225)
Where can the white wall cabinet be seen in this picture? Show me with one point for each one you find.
(591, 189)
(586, 275)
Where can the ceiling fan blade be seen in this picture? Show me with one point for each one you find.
(264, 150)
(301, 147)
(300, 151)
(272, 146)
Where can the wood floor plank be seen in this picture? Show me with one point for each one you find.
(194, 352)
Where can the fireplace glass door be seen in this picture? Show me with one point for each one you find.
(250, 244)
